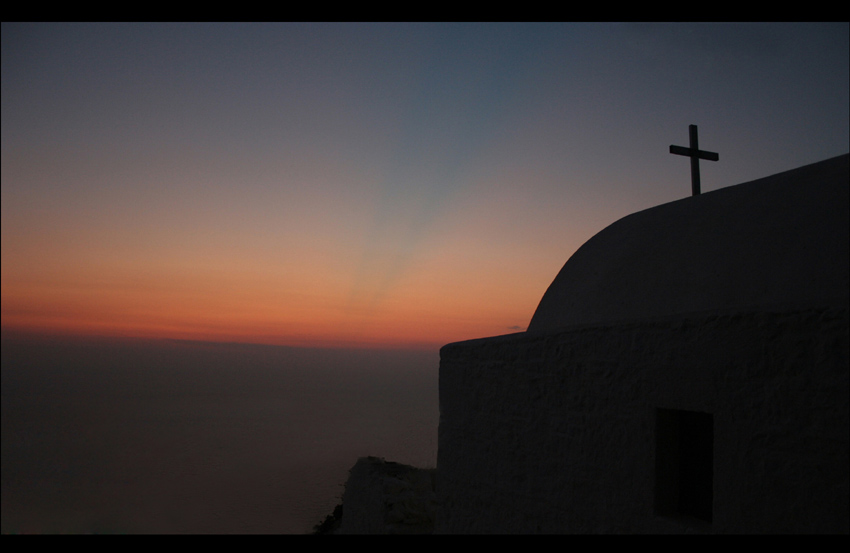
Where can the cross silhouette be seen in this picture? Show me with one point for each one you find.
(695, 154)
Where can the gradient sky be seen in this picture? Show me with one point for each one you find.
(400, 185)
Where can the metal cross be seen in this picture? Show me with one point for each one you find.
(695, 154)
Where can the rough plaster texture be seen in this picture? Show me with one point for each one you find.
(733, 303)
(556, 433)
(780, 240)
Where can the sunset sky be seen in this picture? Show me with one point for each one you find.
(369, 185)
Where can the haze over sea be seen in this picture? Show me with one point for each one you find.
(366, 185)
(159, 436)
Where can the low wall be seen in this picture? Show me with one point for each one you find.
(561, 433)
(383, 497)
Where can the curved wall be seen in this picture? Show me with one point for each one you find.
(777, 241)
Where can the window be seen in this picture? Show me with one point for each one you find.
(684, 463)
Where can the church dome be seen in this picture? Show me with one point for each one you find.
(780, 241)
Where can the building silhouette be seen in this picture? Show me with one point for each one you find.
(686, 371)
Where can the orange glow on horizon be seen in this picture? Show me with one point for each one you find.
(462, 283)
(414, 315)
(385, 333)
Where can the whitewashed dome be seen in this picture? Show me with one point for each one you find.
(780, 241)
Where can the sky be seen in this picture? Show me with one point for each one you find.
(369, 184)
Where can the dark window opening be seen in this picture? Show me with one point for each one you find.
(684, 463)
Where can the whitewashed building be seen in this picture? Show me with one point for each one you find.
(686, 371)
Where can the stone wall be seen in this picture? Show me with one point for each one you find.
(561, 432)
(383, 497)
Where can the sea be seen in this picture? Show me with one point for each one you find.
(135, 436)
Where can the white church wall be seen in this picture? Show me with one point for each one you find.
(560, 432)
